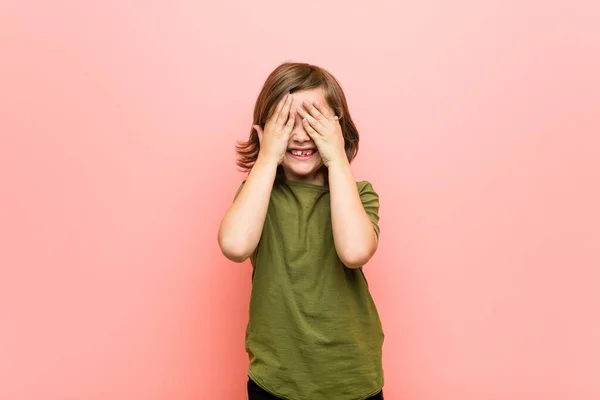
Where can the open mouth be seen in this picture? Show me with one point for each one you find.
(302, 154)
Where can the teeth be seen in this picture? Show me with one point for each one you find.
(302, 153)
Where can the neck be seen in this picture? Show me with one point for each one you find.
(316, 178)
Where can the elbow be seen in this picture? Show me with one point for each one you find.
(235, 256)
(234, 251)
(356, 258)
(355, 252)
(355, 263)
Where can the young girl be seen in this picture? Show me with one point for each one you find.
(308, 228)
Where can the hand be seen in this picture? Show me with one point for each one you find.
(274, 140)
(325, 130)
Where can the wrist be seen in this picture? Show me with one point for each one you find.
(264, 161)
(340, 162)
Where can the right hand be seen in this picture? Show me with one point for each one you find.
(276, 135)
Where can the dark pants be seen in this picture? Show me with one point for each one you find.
(255, 392)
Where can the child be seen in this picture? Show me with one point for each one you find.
(308, 228)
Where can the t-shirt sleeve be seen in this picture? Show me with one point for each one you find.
(370, 201)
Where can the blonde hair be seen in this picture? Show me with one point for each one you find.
(294, 77)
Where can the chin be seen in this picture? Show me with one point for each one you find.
(302, 170)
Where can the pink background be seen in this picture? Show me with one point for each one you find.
(480, 130)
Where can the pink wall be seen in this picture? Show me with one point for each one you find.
(480, 126)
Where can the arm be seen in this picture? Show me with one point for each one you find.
(241, 227)
(353, 233)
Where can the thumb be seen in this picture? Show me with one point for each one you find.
(259, 131)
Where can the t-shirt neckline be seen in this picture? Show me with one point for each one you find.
(306, 184)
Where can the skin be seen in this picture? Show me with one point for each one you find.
(302, 120)
(295, 169)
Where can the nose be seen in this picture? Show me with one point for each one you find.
(299, 134)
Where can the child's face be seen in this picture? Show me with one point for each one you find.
(302, 161)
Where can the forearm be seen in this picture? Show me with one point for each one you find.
(241, 227)
(354, 237)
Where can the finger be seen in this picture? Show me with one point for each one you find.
(280, 104)
(322, 109)
(314, 123)
(310, 130)
(316, 114)
(285, 109)
(290, 122)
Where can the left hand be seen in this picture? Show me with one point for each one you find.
(325, 130)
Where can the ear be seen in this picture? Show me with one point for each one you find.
(258, 130)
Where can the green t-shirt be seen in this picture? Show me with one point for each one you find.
(314, 331)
